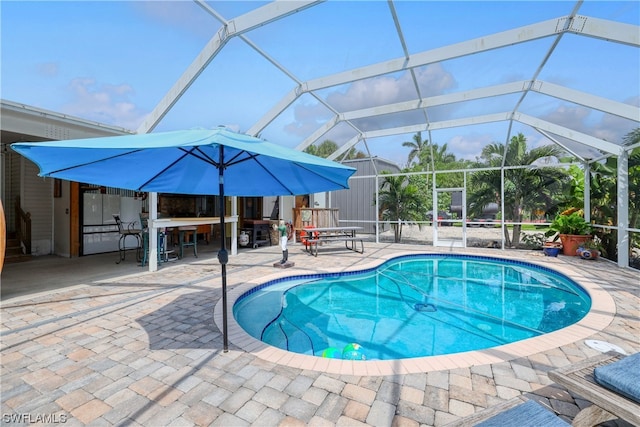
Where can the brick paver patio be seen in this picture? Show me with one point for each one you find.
(143, 349)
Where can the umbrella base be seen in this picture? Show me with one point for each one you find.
(285, 265)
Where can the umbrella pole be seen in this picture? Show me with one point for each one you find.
(223, 256)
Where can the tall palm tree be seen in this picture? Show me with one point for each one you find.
(399, 200)
(525, 188)
(440, 156)
(418, 148)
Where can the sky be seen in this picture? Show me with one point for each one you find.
(113, 61)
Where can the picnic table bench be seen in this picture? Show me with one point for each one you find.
(317, 236)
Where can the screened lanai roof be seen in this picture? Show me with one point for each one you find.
(364, 74)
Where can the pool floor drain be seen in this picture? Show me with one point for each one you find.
(421, 306)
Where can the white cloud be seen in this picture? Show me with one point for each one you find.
(433, 80)
(604, 126)
(469, 146)
(307, 118)
(104, 103)
(572, 117)
(378, 91)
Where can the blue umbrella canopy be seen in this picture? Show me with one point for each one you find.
(187, 162)
(214, 162)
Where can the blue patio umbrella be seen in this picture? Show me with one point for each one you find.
(189, 162)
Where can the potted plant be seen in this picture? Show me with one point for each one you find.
(572, 229)
(552, 248)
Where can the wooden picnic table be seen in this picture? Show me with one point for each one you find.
(319, 235)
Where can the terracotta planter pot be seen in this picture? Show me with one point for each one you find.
(571, 243)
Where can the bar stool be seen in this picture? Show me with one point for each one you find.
(188, 237)
(126, 231)
(162, 252)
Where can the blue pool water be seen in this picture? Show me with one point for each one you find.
(412, 306)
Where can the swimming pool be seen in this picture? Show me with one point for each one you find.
(412, 306)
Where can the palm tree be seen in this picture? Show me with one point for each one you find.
(399, 200)
(418, 147)
(440, 156)
(525, 188)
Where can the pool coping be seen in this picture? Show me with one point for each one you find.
(600, 315)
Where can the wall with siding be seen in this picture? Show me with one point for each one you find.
(12, 187)
(357, 203)
(38, 200)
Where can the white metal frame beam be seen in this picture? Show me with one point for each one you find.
(457, 50)
(593, 27)
(619, 109)
(623, 209)
(591, 101)
(538, 124)
(588, 140)
(507, 38)
(626, 111)
(610, 31)
(598, 28)
(235, 27)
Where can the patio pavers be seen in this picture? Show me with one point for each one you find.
(143, 349)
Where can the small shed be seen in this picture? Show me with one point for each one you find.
(357, 204)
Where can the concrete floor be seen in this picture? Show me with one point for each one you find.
(93, 342)
(52, 272)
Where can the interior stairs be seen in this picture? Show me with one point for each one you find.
(13, 252)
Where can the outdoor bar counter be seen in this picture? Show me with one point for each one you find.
(165, 223)
(189, 221)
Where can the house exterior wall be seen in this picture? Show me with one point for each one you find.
(51, 219)
(11, 186)
(37, 199)
(62, 222)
